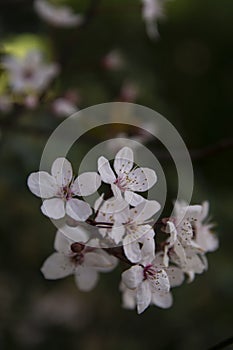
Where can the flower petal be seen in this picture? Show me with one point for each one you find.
(145, 210)
(54, 208)
(62, 244)
(57, 266)
(163, 300)
(42, 184)
(133, 199)
(78, 209)
(100, 260)
(86, 278)
(86, 184)
(128, 297)
(175, 275)
(141, 179)
(123, 161)
(143, 297)
(160, 282)
(62, 171)
(106, 173)
(132, 277)
(132, 250)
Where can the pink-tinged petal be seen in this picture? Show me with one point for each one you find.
(141, 179)
(133, 199)
(175, 275)
(100, 260)
(205, 210)
(86, 278)
(62, 171)
(57, 266)
(123, 161)
(145, 210)
(42, 184)
(62, 243)
(163, 300)
(86, 184)
(160, 281)
(132, 250)
(54, 208)
(78, 209)
(133, 277)
(106, 173)
(143, 297)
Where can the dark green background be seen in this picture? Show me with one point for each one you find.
(186, 75)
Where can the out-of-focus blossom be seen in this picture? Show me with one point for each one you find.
(6, 104)
(75, 258)
(59, 190)
(62, 107)
(113, 60)
(31, 101)
(152, 10)
(129, 92)
(29, 75)
(58, 16)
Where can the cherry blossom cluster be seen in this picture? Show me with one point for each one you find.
(120, 227)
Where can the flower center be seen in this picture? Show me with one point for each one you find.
(149, 272)
(66, 193)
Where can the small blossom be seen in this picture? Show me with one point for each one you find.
(130, 226)
(152, 10)
(129, 92)
(128, 179)
(59, 190)
(61, 16)
(78, 259)
(113, 60)
(62, 107)
(29, 74)
(150, 283)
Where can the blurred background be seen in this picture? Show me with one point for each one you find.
(108, 52)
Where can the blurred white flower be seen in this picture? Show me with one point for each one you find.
(58, 16)
(113, 60)
(59, 190)
(75, 258)
(129, 92)
(203, 235)
(29, 74)
(128, 179)
(62, 107)
(152, 10)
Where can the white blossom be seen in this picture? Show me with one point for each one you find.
(113, 60)
(58, 16)
(29, 74)
(59, 190)
(75, 258)
(62, 107)
(129, 226)
(152, 10)
(128, 179)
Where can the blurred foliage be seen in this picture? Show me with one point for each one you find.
(186, 75)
